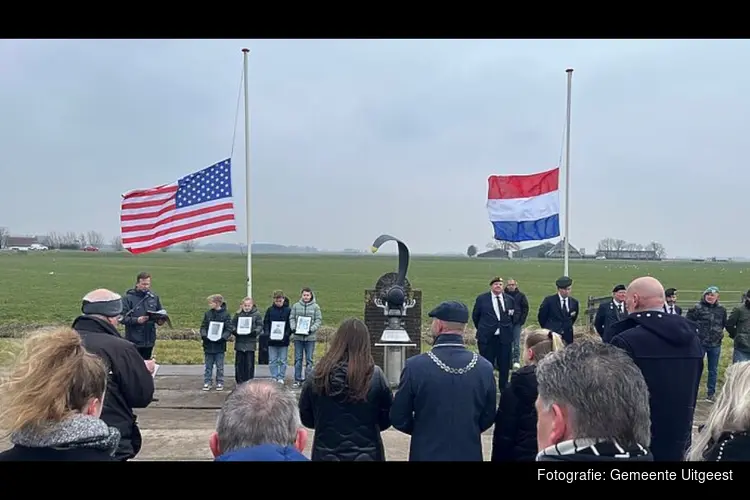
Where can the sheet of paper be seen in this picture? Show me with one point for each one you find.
(244, 325)
(303, 325)
(156, 370)
(215, 329)
(277, 330)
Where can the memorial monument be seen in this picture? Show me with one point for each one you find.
(393, 314)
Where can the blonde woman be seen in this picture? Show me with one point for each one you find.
(726, 435)
(51, 402)
(514, 437)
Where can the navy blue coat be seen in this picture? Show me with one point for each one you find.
(668, 351)
(485, 320)
(445, 413)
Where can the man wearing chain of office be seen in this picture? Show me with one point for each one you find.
(447, 396)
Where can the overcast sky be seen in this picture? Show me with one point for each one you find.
(353, 138)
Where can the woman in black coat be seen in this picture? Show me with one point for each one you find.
(514, 437)
(52, 401)
(347, 400)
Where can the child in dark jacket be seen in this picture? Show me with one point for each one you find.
(276, 328)
(216, 328)
(246, 339)
(514, 437)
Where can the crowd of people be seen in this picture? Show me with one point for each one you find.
(628, 396)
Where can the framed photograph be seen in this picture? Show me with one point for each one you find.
(244, 325)
(215, 329)
(303, 325)
(277, 330)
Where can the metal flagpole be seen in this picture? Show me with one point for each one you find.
(248, 217)
(566, 234)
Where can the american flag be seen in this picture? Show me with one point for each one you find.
(196, 206)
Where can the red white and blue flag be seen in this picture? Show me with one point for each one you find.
(196, 206)
(525, 207)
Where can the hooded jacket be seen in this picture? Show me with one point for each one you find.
(277, 314)
(220, 316)
(667, 349)
(129, 384)
(137, 303)
(738, 327)
(310, 309)
(711, 320)
(247, 342)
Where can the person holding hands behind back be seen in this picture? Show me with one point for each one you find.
(216, 328)
(247, 326)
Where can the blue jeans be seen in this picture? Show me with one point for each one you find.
(516, 344)
(308, 350)
(712, 355)
(211, 360)
(277, 361)
(740, 356)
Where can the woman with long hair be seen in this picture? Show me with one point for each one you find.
(347, 399)
(726, 434)
(51, 402)
(514, 437)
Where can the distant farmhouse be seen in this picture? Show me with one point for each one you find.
(627, 254)
(20, 241)
(497, 253)
(548, 250)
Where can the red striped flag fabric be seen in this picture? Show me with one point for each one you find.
(196, 206)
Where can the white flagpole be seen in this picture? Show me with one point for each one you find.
(248, 216)
(566, 234)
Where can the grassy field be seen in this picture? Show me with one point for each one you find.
(43, 289)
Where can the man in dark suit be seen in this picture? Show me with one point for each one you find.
(670, 302)
(559, 312)
(612, 311)
(447, 396)
(667, 349)
(494, 317)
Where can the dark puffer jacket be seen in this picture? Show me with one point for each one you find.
(220, 316)
(738, 326)
(347, 430)
(514, 437)
(280, 314)
(247, 342)
(711, 320)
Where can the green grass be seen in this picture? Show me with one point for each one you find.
(32, 296)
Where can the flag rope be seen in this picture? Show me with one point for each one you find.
(237, 113)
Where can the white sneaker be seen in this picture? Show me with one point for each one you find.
(516, 366)
(280, 381)
(219, 388)
(206, 387)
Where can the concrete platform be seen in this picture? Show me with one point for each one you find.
(178, 426)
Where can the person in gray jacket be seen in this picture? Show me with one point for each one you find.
(246, 339)
(305, 320)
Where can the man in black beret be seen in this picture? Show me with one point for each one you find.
(670, 302)
(447, 396)
(494, 316)
(611, 311)
(559, 312)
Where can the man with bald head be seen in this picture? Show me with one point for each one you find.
(130, 383)
(668, 351)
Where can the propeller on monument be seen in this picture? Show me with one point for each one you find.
(395, 296)
(394, 302)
